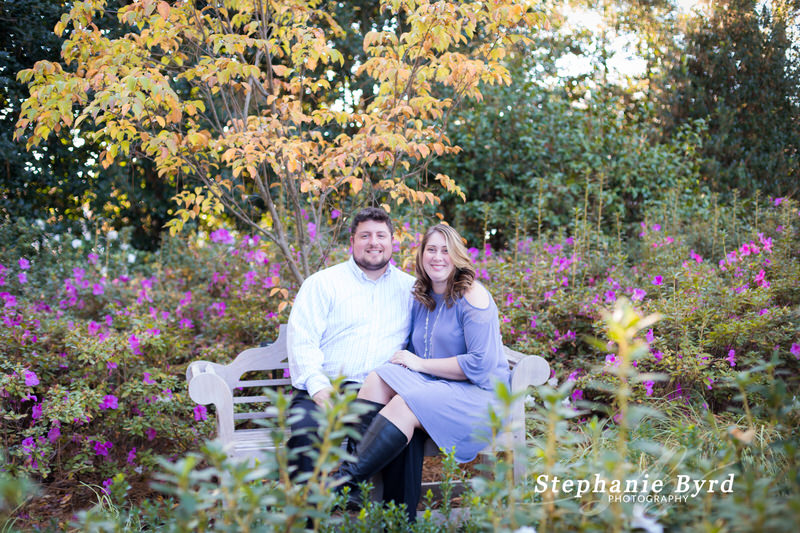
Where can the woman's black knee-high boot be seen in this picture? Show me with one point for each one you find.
(381, 443)
(363, 423)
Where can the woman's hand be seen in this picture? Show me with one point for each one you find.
(408, 360)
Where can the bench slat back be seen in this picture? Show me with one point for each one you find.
(272, 357)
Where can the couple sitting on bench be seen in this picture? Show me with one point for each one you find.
(427, 349)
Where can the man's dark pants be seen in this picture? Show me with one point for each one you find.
(402, 478)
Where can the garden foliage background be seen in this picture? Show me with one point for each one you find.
(671, 194)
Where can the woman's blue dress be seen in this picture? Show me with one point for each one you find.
(453, 413)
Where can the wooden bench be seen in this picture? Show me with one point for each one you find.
(213, 383)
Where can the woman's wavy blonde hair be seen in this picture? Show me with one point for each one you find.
(463, 271)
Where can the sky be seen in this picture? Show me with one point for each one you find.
(622, 64)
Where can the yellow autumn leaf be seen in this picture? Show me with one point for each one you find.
(281, 70)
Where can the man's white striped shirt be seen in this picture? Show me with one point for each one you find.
(343, 323)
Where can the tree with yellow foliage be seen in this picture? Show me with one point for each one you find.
(230, 94)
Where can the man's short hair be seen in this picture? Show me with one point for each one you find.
(371, 213)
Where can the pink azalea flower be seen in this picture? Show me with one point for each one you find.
(260, 257)
(185, 323)
(649, 337)
(102, 448)
(219, 307)
(732, 357)
(132, 456)
(777, 201)
(134, 344)
(28, 445)
(150, 433)
(335, 213)
(577, 394)
(200, 413)
(93, 327)
(648, 385)
(23, 278)
(109, 402)
(659, 355)
(24, 264)
(9, 299)
(533, 322)
(53, 434)
(31, 379)
(611, 297)
(656, 227)
(222, 236)
(147, 379)
(186, 300)
(658, 280)
(795, 350)
(97, 289)
(312, 230)
(36, 413)
(92, 258)
(766, 242)
(638, 295)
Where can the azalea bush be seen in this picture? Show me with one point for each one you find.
(721, 314)
(96, 336)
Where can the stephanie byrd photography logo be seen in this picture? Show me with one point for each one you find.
(677, 489)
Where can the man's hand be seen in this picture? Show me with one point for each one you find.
(408, 360)
(323, 397)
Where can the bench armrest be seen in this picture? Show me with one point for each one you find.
(530, 371)
(206, 386)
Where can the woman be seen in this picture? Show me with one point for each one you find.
(445, 382)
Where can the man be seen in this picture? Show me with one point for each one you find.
(347, 320)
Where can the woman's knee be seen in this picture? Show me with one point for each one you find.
(375, 389)
(398, 409)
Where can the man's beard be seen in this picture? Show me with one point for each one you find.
(370, 266)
